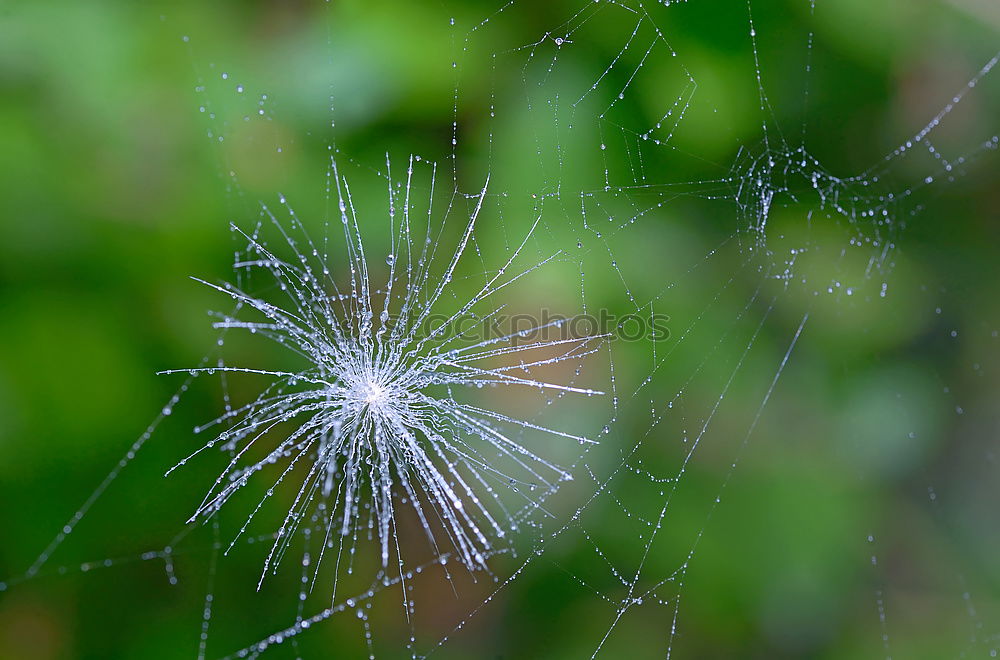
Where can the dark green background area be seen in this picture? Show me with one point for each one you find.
(879, 439)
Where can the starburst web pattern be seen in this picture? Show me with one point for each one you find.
(392, 455)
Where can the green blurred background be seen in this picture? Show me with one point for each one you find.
(870, 479)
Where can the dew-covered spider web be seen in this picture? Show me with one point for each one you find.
(529, 355)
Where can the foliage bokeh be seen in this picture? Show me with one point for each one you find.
(113, 195)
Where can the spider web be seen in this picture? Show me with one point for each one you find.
(751, 253)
